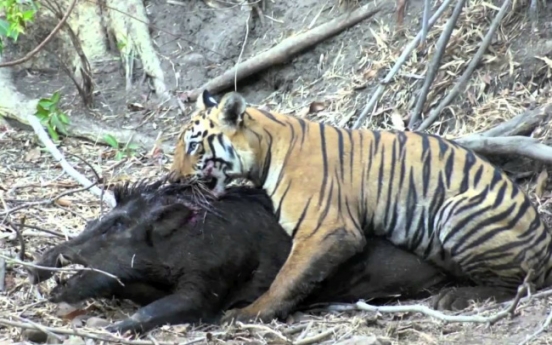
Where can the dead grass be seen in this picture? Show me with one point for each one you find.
(496, 92)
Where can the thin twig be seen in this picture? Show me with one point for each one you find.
(315, 338)
(433, 66)
(26, 324)
(47, 201)
(2, 274)
(242, 49)
(19, 233)
(425, 21)
(263, 328)
(45, 139)
(43, 43)
(469, 70)
(59, 269)
(400, 61)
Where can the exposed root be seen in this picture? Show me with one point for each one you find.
(284, 50)
(129, 24)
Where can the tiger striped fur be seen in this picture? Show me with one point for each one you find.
(331, 187)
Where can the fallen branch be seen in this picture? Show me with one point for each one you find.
(45, 139)
(43, 43)
(284, 51)
(520, 124)
(400, 61)
(516, 145)
(469, 70)
(510, 310)
(433, 66)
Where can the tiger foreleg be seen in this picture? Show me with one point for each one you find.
(311, 260)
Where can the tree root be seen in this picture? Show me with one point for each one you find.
(284, 51)
(129, 24)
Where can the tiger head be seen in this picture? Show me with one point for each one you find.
(215, 144)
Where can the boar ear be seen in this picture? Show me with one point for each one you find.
(170, 218)
(232, 107)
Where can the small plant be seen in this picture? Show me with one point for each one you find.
(51, 116)
(128, 150)
(15, 15)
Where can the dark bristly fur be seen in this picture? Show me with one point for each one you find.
(333, 187)
(185, 261)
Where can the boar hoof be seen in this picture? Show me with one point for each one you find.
(124, 326)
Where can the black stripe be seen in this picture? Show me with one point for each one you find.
(468, 164)
(477, 176)
(279, 209)
(301, 218)
(303, 125)
(340, 150)
(271, 117)
(322, 216)
(324, 161)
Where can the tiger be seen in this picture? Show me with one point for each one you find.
(331, 187)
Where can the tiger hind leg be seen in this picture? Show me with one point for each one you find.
(311, 260)
(494, 242)
(458, 298)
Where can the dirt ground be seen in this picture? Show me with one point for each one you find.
(197, 43)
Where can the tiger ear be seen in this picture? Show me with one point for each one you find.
(205, 100)
(233, 107)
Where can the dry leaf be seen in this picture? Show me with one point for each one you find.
(542, 181)
(68, 311)
(32, 155)
(397, 121)
(63, 202)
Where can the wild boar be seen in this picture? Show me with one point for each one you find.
(187, 257)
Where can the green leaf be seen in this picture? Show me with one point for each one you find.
(111, 141)
(4, 27)
(133, 146)
(119, 155)
(63, 118)
(45, 103)
(53, 134)
(58, 124)
(55, 98)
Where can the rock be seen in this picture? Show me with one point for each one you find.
(365, 340)
(35, 336)
(96, 322)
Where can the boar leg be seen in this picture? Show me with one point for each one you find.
(173, 309)
(139, 293)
